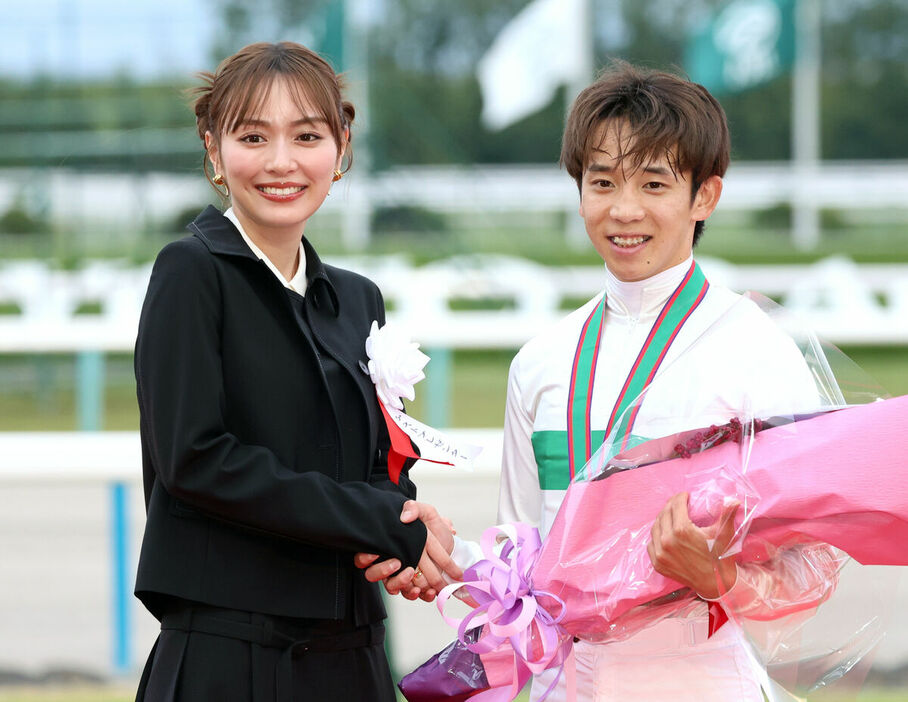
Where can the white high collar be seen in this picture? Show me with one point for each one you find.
(643, 298)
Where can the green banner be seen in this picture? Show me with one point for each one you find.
(745, 43)
(331, 43)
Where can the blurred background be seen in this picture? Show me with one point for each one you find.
(455, 206)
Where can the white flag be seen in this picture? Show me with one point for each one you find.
(537, 51)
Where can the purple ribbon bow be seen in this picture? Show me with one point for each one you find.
(508, 609)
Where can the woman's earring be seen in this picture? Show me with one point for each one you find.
(219, 180)
(337, 176)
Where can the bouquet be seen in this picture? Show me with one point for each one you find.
(814, 464)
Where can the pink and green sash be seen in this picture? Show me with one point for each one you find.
(559, 455)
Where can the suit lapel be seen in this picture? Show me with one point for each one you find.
(342, 336)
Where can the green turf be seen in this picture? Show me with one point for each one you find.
(876, 235)
(63, 694)
(886, 365)
(38, 394)
(887, 243)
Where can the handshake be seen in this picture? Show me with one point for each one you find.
(678, 549)
(428, 578)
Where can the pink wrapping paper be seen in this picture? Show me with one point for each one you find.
(839, 478)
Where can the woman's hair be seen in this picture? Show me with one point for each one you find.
(239, 87)
(657, 114)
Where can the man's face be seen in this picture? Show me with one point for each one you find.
(640, 219)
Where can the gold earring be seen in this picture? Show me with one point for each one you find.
(337, 176)
(219, 180)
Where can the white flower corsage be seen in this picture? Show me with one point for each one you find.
(395, 364)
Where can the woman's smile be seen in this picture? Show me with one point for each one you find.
(281, 192)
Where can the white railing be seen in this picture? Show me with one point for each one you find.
(844, 302)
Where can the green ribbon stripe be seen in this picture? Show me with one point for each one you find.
(552, 447)
(583, 388)
(661, 339)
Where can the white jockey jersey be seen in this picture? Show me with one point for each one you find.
(727, 358)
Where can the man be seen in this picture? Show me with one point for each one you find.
(648, 151)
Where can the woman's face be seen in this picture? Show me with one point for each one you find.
(278, 164)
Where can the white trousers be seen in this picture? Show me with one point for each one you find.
(672, 661)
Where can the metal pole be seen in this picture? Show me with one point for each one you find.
(356, 216)
(90, 390)
(438, 388)
(576, 231)
(90, 417)
(122, 582)
(805, 124)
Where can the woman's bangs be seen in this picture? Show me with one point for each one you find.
(312, 100)
(246, 104)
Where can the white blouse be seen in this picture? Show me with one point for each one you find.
(297, 282)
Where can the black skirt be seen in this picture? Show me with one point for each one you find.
(206, 653)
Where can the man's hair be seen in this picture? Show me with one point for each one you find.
(657, 114)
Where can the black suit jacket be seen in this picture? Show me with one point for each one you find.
(250, 504)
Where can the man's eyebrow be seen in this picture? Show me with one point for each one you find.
(608, 168)
(657, 170)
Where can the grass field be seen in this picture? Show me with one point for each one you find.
(871, 236)
(62, 694)
(36, 393)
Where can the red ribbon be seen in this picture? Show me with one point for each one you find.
(401, 446)
(717, 617)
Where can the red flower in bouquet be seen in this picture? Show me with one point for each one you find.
(733, 430)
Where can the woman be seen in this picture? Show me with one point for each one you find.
(264, 451)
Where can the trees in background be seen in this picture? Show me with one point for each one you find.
(424, 53)
(424, 100)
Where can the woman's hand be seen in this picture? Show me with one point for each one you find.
(426, 580)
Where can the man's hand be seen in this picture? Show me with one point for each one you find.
(680, 550)
(426, 581)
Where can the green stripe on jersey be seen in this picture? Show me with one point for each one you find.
(551, 451)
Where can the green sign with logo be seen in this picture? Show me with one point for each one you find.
(746, 43)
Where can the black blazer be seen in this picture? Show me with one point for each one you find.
(249, 502)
